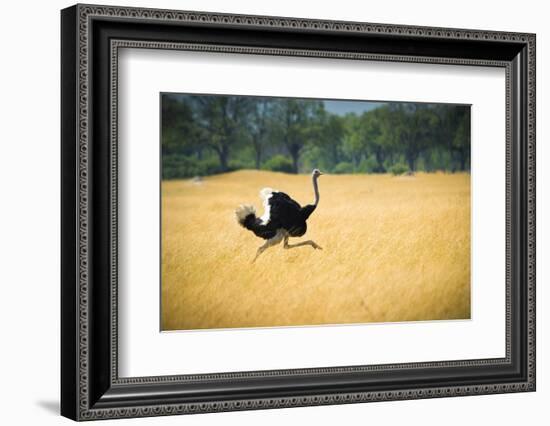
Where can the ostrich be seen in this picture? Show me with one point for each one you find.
(283, 218)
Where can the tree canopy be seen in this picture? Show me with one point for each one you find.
(207, 134)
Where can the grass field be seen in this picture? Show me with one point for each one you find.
(394, 249)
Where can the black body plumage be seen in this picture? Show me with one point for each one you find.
(284, 213)
(283, 218)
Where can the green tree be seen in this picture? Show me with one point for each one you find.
(460, 143)
(353, 144)
(222, 120)
(377, 135)
(209, 134)
(331, 135)
(259, 126)
(297, 121)
(179, 132)
(414, 126)
(454, 132)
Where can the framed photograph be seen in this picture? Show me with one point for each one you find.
(263, 212)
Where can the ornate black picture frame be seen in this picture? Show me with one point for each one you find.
(91, 36)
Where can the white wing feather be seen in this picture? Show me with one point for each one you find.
(265, 195)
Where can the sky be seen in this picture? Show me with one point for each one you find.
(337, 107)
(344, 107)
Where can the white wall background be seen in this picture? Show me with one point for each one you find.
(29, 212)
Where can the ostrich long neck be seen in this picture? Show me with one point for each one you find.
(316, 190)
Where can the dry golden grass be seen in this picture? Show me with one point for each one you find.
(394, 249)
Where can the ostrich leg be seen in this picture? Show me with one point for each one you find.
(303, 243)
(269, 243)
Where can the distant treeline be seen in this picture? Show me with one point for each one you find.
(203, 135)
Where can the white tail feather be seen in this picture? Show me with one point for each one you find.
(243, 211)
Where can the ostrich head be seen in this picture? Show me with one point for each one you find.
(316, 173)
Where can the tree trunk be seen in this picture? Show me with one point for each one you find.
(427, 161)
(258, 158)
(411, 160)
(462, 158)
(294, 151)
(380, 160)
(335, 156)
(257, 151)
(224, 157)
(462, 161)
(294, 155)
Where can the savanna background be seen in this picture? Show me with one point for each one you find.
(393, 220)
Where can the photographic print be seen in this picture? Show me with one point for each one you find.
(305, 212)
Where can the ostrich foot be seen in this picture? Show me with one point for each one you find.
(304, 243)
